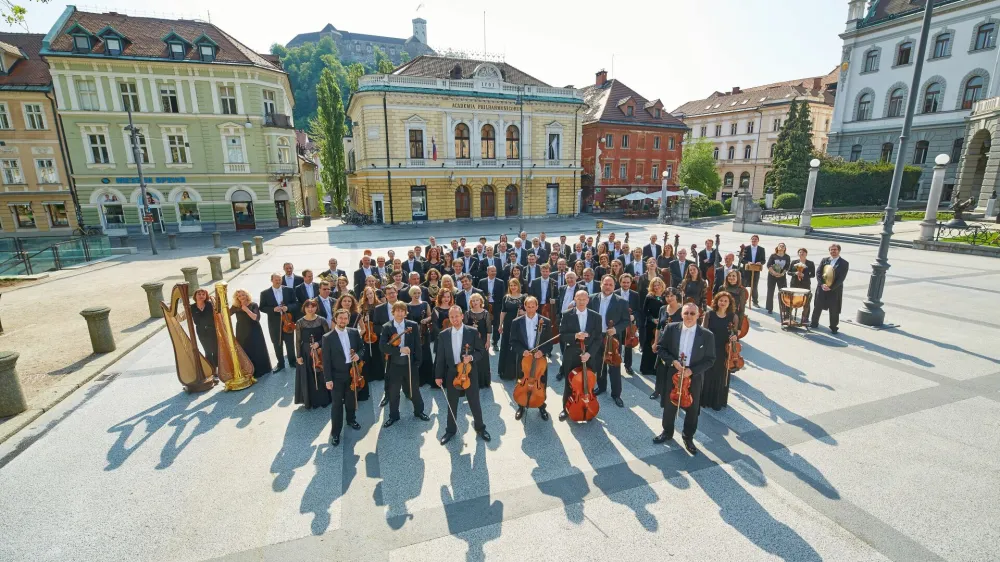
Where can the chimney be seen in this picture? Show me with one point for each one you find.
(602, 77)
(737, 90)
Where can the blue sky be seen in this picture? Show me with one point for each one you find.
(675, 50)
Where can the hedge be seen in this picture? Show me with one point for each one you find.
(848, 184)
(788, 201)
(705, 207)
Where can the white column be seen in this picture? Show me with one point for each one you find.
(57, 87)
(214, 84)
(73, 100)
(475, 138)
(929, 224)
(154, 88)
(181, 106)
(239, 99)
(116, 98)
(805, 219)
(101, 103)
(194, 96)
(140, 88)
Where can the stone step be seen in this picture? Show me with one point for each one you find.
(867, 240)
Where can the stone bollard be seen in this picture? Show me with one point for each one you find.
(191, 276)
(247, 252)
(172, 241)
(928, 226)
(234, 258)
(805, 219)
(154, 296)
(217, 239)
(215, 262)
(258, 242)
(99, 327)
(12, 400)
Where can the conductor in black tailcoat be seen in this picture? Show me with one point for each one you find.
(457, 344)
(830, 297)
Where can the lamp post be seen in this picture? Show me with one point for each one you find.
(133, 133)
(871, 312)
(663, 197)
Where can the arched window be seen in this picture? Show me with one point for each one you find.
(864, 107)
(489, 139)
(855, 153)
(715, 153)
(973, 92)
(487, 202)
(747, 150)
(463, 203)
(732, 152)
(745, 180)
(942, 46)
(932, 98)
(871, 61)
(920, 152)
(513, 142)
(986, 36)
(772, 148)
(895, 103)
(462, 141)
(886, 155)
(510, 201)
(728, 181)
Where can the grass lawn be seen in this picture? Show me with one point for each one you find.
(861, 219)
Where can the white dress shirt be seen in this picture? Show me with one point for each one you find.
(567, 301)
(531, 327)
(545, 290)
(289, 281)
(401, 330)
(456, 343)
(309, 290)
(345, 342)
(278, 295)
(833, 261)
(328, 306)
(753, 253)
(687, 343)
(489, 288)
(605, 303)
(581, 315)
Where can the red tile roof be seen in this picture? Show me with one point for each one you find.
(30, 71)
(752, 98)
(435, 66)
(607, 104)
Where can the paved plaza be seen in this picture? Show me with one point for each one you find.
(864, 445)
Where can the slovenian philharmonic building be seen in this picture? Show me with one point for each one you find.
(443, 138)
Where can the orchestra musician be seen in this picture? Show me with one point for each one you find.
(493, 289)
(290, 280)
(404, 362)
(543, 288)
(752, 254)
(361, 275)
(579, 324)
(478, 317)
(333, 272)
(275, 301)
(802, 271)
(309, 332)
(527, 332)
(693, 288)
(460, 344)
(720, 321)
(412, 264)
(830, 296)
(613, 311)
(305, 290)
(463, 297)
(635, 313)
(513, 306)
(381, 316)
(670, 313)
(708, 258)
(652, 250)
(777, 268)
(326, 302)
(340, 349)
(651, 306)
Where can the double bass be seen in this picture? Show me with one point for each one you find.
(582, 405)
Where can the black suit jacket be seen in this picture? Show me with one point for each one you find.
(630, 269)
(268, 303)
(298, 281)
(444, 361)
(761, 255)
(333, 275)
(360, 277)
(707, 261)
(702, 351)
(462, 300)
(524, 272)
(832, 299)
(382, 314)
(535, 289)
(411, 340)
(569, 326)
(335, 365)
(808, 273)
(519, 339)
(617, 313)
(647, 251)
(499, 290)
(300, 293)
(634, 304)
(321, 309)
(592, 288)
(418, 266)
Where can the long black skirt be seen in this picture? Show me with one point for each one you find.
(648, 363)
(256, 349)
(715, 392)
(310, 388)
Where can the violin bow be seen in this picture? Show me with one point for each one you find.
(680, 390)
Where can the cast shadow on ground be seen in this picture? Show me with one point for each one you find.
(768, 362)
(843, 340)
(948, 346)
(479, 513)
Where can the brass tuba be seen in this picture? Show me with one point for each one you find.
(828, 275)
(193, 370)
(235, 368)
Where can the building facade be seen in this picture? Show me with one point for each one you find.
(36, 197)
(360, 47)
(880, 47)
(457, 143)
(216, 142)
(628, 142)
(744, 124)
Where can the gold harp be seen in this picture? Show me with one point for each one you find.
(193, 370)
(235, 368)
(828, 275)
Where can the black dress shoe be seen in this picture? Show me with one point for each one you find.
(814, 326)
(619, 403)
(654, 396)
(662, 438)
(598, 392)
(422, 416)
(485, 435)
(354, 425)
(629, 371)
(385, 400)
(519, 413)
(543, 414)
(446, 437)
(278, 367)
(834, 330)
(689, 445)
(388, 422)
(496, 348)
(334, 440)
(563, 415)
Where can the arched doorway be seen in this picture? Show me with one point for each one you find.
(155, 211)
(745, 180)
(487, 202)
(243, 210)
(281, 207)
(974, 168)
(463, 203)
(510, 201)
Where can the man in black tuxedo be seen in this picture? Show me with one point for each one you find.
(728, 264)
(361, 275)
(698, 347)
(576, 325)
(708, 258)
(637, 267)
(382, 315)
(631, 297)
(679, 267)
(305, 290)
(539, 250)
(333, 273)
(652, 250)
(542, 242)
(404, 363)
(494, 289)
(485, 261)
(613, 311)
(327, 304)
(432, 244)
(530, 271)
(290, 280)
(465, 294)
(413, 281)
(588, 283)
(564, 248)
(830, 297)
(412, 264)
(455, 345)
(274, 301)
(337, 360)
(753, 254)
(520, 253)
(543, 288)
(527, 332)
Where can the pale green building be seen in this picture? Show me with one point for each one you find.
(218, 141)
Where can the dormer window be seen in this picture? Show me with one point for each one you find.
(656, 112)
(81, 43)
(176, 51)
(207, 53)
(628, 111)
(112, 46)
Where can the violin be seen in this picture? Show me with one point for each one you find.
(612, 349)
(547, 312)
(680, 394)
(582, 405)
(287, 323)
(461, 381)
(735, 358)
(631, 333)
(369, 335)
(529, 392)
(395, 340)
(357, 379)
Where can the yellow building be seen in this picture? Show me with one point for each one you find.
(457, 143)
(36, 197)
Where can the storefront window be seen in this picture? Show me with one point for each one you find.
(114, 215)
(23, 215)
(57, 215)
(189, 214)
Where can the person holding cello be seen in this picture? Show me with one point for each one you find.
(579, 325)
(615, 318)
(528, 332)
(688, 350)
(459, 350)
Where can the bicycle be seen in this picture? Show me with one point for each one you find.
(87, 231)
(357, 219)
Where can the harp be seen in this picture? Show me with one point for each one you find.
(193, 370)
(235, 368)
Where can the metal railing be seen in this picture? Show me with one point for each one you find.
(975, 235)
(779, 215)
(278, 120)
(26, 256)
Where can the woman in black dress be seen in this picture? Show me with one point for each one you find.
(447, 268)
(248, 332)
(513, 306)
(651, 306)
(603, 267)
(432, 280)
(343, 288)
(777, 268)
(721, 321)
(310, 387)
(434, 260)
(669, 314)
(203, 314)
(439, 313)
(693, 288)
(480, 318)
(649, 272)
(350, 304)
(375, 366)
(420, 312)
(617, 269)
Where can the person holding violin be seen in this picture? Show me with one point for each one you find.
(579, 325)
(310, 391)
(720, 321)
(343, 349)
(382, 315)
(651, 306)
(670, 313)
(479, 318)
(401, 342)
(686, 349)
(528, 332)
(635, 315)
(460, 345)
(276, 301)
(370, 332)
(615, 318)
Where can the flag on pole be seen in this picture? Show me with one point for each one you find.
(434, 149)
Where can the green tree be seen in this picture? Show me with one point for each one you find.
(328, 131)
(697, 170)
(304, 65)
(13, 12)
(354, 73)
(383, 64)
(794, 150)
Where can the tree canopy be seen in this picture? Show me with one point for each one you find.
(793, 151)
(304, 65)
(328, 131)
(697, 170)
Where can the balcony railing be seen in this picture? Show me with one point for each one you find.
(275, 168)
(463, 163)
(985, 106)
(278, 120)
(376, 80)
(237, 167)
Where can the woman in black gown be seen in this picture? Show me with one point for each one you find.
(693, 288)
(248, 332)
(715, 392)
(375, 366)
(310, 387)
(350, 304)
(669, 314)
(651, 312)
(480, 318)
(439, 313)
(420, 312)
(513, 306)
(203, 314)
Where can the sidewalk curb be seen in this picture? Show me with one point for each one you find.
(58, 392)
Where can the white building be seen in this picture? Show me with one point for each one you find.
(880, 47)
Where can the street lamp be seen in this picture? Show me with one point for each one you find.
(663, 197)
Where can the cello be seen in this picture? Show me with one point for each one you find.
(582, 405)
(529, 392)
